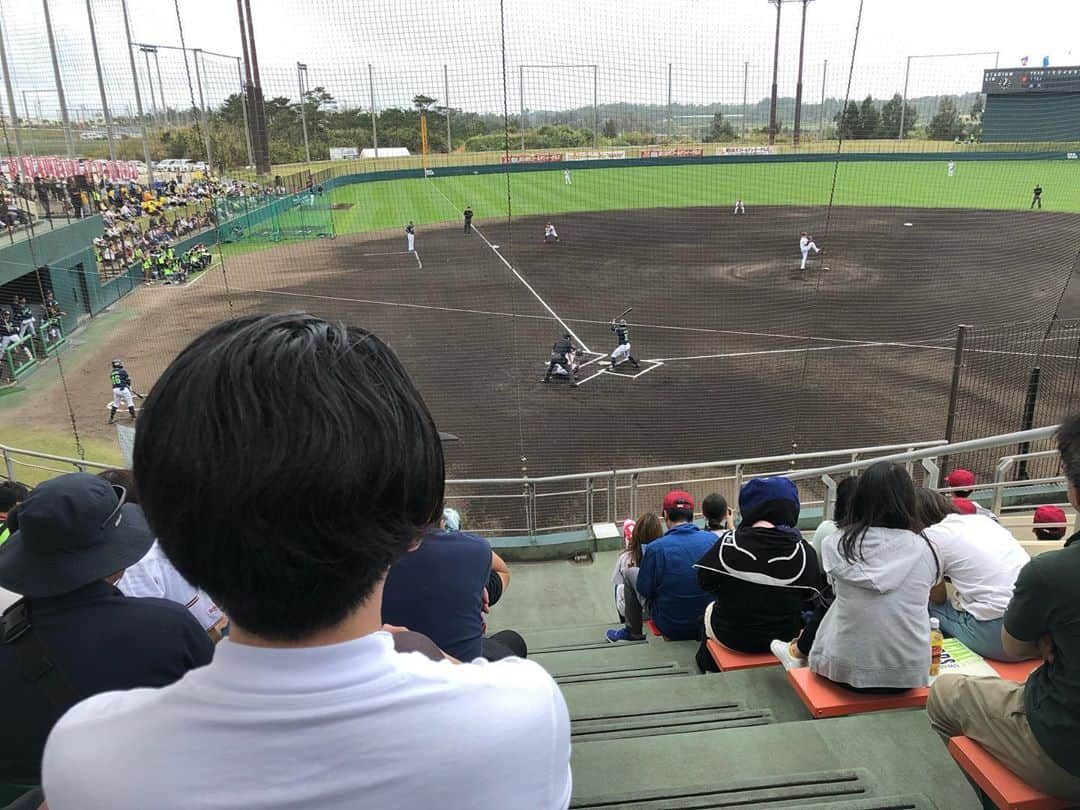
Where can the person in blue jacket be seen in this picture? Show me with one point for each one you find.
(666, 582)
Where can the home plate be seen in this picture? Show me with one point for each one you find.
(907, 224)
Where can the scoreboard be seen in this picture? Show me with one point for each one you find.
(1001, 81)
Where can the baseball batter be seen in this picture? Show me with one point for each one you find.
(806, 244)
(622, 349)
(121, 390)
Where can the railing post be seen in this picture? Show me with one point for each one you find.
(530, 512)
(9, 464)
(933, 473)
(588, 501)
(830, 497)
(633, 496)
(1001, 472)
(612, 503)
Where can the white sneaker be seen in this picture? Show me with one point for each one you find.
(782, 650)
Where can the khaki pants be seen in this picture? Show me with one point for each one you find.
(991, 712)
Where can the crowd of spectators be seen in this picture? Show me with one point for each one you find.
(190, 624)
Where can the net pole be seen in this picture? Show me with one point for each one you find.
(799, 83)
(596, 105)
(446, 102)
(1028, 418)
(669, 101)
(521, 94)
(371, 91)
(138, 93)
(59, 83)
(244, 109)
(903, 104)
(821, 111)
(745, 88)
(196, 55)
(10, 93)
(954, 390)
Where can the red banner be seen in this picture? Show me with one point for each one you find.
(53, 167)
(662, 153)
(554, 157)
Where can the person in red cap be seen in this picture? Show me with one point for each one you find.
(1052, 515)
(963, 484)
(1032, 728)
(666, 581)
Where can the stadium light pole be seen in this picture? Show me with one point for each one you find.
(138, 94)
(775, 68)
(101, 81)
(799, 83)
(59, 83)
(301, 74)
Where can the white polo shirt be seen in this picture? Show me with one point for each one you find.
(154, 575)
(982, 559)
(353, 725)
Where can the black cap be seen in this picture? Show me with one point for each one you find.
(69, 532)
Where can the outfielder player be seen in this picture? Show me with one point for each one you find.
(806, 244)
(550, 234)
(410, 234)
(740, 207)
(566, 177)
(121, 390)
(622, 350)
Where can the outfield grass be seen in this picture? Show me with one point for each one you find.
(1003, 184)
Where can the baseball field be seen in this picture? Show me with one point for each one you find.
(740, 352)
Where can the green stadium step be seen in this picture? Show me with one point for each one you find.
(672, 721)
(764, 689)
(569, 639)
(888, 755)
(620, 655)
(620, 673)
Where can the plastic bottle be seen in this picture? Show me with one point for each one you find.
(936, 642)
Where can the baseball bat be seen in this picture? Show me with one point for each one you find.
(621, 314)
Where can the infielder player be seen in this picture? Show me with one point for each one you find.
(121, 390)
(740, 207)
(622, 349)
(806, 244)
(566, 177)
(550, 234)
(410, 234)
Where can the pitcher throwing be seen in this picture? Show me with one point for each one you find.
(806, 244)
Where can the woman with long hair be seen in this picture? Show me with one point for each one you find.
(645, 529)
(876, 634)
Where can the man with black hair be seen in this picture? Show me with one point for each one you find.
(622, 344)
(306, 705)
(121, 389)
(11, 494)
(468, 218)
(1031, 728)
(666, 581)
(562, 354)
(1036, 197)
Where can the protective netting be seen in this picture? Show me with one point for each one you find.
(635, 131)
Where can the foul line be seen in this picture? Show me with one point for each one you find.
(520, 277)
(416, 253)
(389, 253)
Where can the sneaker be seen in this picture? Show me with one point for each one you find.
(622, 634)
(782, 650)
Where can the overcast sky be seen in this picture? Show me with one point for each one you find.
(631, 41)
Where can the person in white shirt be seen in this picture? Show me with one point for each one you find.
(566, 177)
(550, 234)
(982, 560)
(307, 704)
(154, 575)
(806, 244)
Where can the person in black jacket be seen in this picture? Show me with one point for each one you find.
(762, 574)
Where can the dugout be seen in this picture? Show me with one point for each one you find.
(1031, 104)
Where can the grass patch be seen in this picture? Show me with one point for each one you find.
(33, 471)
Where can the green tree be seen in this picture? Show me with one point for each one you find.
(610, 130)
(422, 102)
(719, 129)
(890, 117)
(977, 107)
(869, 119)
(945, 125)
(848, 122)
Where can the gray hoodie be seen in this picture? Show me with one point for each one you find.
(877, 632)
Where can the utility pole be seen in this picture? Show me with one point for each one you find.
(59, 83)
(798, 85)
(745, 85)
(138, 95)
(196, 55)
(161, 86)
(101, 82)
(244, 109)
(821, 112)
(257, 110)
(10, 96)
(596, 106)
(521, 94)
(775, 68)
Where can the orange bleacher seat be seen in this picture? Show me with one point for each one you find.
(1017, 671)
(827, 699)
(1003, 787)
(654, 629)
(730, 660)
